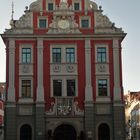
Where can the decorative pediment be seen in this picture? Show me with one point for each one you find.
(103, 24)
(36, 6)
(25, 21)
(23, 25)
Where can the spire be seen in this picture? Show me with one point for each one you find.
(12, 16)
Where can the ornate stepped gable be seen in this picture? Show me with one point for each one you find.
(63, 20)
(63, 14)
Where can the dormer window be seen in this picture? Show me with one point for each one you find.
(50, 6)
(77, 6)
(85, 22)
(42, 23)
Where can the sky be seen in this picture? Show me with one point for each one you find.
(124, 13)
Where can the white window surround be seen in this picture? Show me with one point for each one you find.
(63, 51)
(20, 89)
(77, 1)
(64, 84)
(85, 18)
(20, 51)
(108, 87)
(107, 51)
(45, 18)
(50, 1)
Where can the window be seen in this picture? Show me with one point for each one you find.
(26, 89)
(26, 55)
(101, 54)
(56, 55)
(50, 6)
(70, 55)
(76, 6)
(42, 23)
(85, 23)
(102, 87)
(57, 87)
(70, 87)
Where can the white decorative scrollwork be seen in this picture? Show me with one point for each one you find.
(52, 109)
(77, 111)
(101, 68)
(70, 68)
(56, 68)
(104, 25)
(25, 69)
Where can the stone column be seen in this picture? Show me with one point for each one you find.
(11, 80)
(10, 108)
(116, 62)
(118, 106)
(40, 87)
(40, 106)
(86, 4)
(89, 111)
(88, 90)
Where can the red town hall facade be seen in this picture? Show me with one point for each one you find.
(64, 74)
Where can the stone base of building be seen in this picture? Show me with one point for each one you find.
(101, 121)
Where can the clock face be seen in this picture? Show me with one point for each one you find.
(63, 24)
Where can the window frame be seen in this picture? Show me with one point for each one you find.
(64, 85)
(107, 52)
(26, 56)
(103, 87)
(68, 88)
(47, 3)
(63, 52)
(74, 2)
(51, 7)
(45, 19)
(85, 18)
(75, 8)
(21, 98)
(58, 55)
(26, 88)
(55, 89)
(70, 56)
(22, 46)
(101, 55)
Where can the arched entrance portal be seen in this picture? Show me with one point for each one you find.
(103, 132)
(25, 132)
(65, 132)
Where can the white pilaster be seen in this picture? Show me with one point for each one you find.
(86, 2)
(116, 62)
(11, 86)
(40, 87)
(88, 90)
